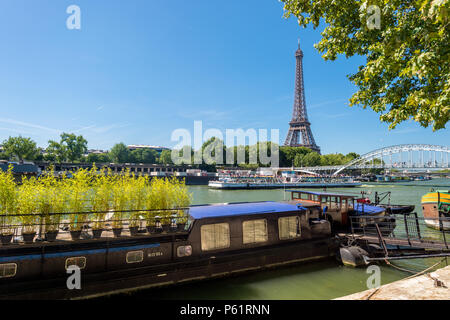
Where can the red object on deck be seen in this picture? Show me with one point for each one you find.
(363, 200)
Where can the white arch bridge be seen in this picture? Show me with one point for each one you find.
(405, 156)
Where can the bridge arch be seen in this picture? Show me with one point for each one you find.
(399, 149)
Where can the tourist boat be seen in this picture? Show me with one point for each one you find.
(435, 205)
(218, 240)
(278, 183)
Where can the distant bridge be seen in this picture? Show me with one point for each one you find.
(405, 156)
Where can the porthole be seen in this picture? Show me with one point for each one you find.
(8, 270)
(135, 256)
(80, 262)
(184, 251)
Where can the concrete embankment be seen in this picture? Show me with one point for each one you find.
(430, 286)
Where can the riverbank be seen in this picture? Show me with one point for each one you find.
(430, 286)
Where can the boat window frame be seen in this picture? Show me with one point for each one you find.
(141, 255)
(76, 264)
(4, 267)
(184, 251)
(299, 228)
(305, 196)
(266, 232)
(228, 238)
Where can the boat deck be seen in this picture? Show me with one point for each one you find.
(373, 239)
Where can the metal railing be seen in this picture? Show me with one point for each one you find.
(403, 230)
(30, 228)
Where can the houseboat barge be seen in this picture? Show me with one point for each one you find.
(217, 240)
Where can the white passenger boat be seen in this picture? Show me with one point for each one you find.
(276, 183)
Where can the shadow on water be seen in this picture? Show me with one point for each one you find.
(317, 280)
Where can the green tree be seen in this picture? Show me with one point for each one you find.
(298, 160)
(76, 146)
(209, 149)
(166, 157)
(143, 155)
(70, 148)
(333, 159)
(20, 148)
(407, 69)
(55, 152)
(351, 156)
(312, 159)
(288, 154)
(97, 158)
(119, 153)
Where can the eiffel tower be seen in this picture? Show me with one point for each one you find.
(300, 134)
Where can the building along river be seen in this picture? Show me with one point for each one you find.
(315, 280)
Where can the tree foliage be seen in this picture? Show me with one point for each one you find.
(144, 155)
(407, 70)
(69, 148)
(166, 157)
(119, 153)
(97, 158)
(311, 159)
(20, 148)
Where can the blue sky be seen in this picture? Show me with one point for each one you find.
(139, 69)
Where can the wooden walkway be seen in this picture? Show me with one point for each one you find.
(415, 243)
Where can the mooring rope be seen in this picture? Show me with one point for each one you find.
(414, 274)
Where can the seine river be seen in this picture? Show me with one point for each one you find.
(316, 280)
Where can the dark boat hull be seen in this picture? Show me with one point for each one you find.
(398, 209)
(125, 280)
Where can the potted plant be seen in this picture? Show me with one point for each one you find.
(8, 198)
(79, 201)
(103, 184)
(27, 207)
(183, 200)
(120, 200)
(136, 201)
(50, 202)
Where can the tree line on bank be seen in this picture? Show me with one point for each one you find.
(72, 148)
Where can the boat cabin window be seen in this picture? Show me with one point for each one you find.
(289, 228)
(350, 203)
(254, 231)
(135, 256)
(324, 199)
(76, 261)
(215, 236)
(304, 196)
(315, 197)
(8, 270)
(335, 202)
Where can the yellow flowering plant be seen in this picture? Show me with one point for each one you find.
(8, 200)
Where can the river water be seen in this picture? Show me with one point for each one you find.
(315, 280)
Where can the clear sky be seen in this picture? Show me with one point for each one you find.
(139, 69)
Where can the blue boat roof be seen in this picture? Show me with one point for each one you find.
(368, 209)
(237, 209)
(20, 167)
